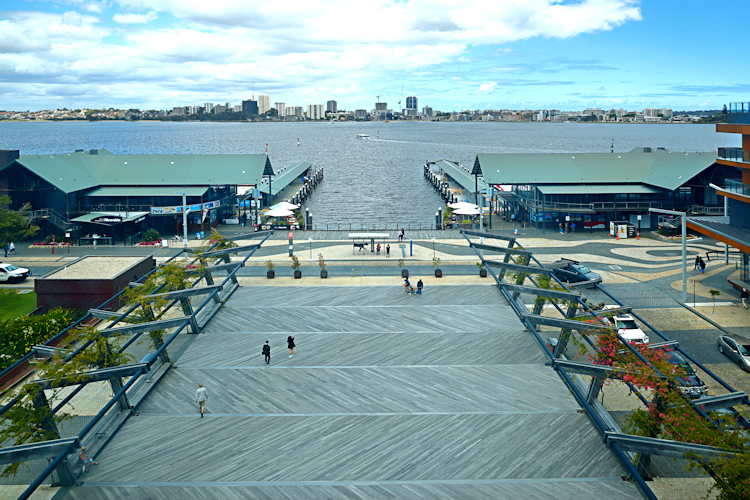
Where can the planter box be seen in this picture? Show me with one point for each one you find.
(297, 274)
(324, 274)
(438, 273)
(404, 273)
(483, 273)
(270, 274)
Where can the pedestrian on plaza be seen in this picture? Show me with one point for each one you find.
(697, 263)
(400, 236)
(703, 266)
(12, 248)
(86, 460)
(387, 250)
(201, 395)
(267, 352)
(419, 286)
(561, 228)
(572, 227)
(744, 296)
(377, 249)
(290, 344)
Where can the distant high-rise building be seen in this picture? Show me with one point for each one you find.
(193, 110)
(381, 106)
(315, 111)
(219, 109)
(298, 112)
(237, 108)
(331, 107)
(208, 107)
(411, 105)
(427, 111)
(179, 110)
(360, 114)
(264, 103)
(280, 108)
(250, 107)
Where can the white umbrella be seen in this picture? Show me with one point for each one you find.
(285, 205)
(278, 212)
(462, 204)
(467, 211)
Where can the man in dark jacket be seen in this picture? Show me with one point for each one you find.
(267, 352)
(419, 286)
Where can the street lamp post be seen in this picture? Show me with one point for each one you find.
(683, 219)
(184, 219)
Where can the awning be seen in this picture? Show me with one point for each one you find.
(599, 189)
(147, 191)
(111, 218)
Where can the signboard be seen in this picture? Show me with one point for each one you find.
(107, 219)
(192, 208)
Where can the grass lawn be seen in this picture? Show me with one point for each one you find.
(14, 304)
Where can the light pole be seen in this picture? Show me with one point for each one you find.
(184, 218)
(683, 216)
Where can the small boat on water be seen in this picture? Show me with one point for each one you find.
(363, 136)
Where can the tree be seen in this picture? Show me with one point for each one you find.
(13, 225)
(724, 110)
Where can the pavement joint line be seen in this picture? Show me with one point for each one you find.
(372, 483)
(350, 367)
(362, 414)
(353, 333)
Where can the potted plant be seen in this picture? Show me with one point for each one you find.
(402, 266)
(436, 267)
(270, 273)
(322, 264)
(482, 269)
(295, 267)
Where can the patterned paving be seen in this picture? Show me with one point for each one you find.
(387, 396)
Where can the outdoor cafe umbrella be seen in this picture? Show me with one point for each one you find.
(285, 205)
(462, 204)
(467, 211)
(278, 212)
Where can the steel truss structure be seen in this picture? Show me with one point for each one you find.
(141, 374)
(577, 305)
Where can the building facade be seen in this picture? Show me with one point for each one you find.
(250, 107)
(411, 106)
(315, 112)
(280, 108)
(264, 104)
(332, 107)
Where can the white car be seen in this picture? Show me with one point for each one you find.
(627, 327)
(12, 274)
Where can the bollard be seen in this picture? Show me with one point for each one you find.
(411, 248)
(291, 244)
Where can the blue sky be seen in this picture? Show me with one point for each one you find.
(516, 54)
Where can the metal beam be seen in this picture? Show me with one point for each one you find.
(663, 447)
(518, 267)
(181, 294)
(718, 402)
(211, 269)
(582, 284)
(492, 248)
(144, 327)
(228, 251)
(133, 284)
(593, 370)
(565, 323)
(102, 314)
(612, 311)
(37, 451)
(670, 343)
(543, 292)
(92, 376)
(47, 351)
(487, 235)
(248, 236)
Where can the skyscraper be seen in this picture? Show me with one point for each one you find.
(315, 111)
(264, 103)
(280, 108)
(250, 107)
(208, 107)
(411, 106)
(331, 107)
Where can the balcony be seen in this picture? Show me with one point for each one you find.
(737, 187)
(734, 154)
(738, 113)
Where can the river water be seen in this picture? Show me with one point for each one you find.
(377, 181)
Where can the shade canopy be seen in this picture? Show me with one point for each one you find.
(285, 205)
(278, 212)
(111, 218)
(467, 211)
(462, 204)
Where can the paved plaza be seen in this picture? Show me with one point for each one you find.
(387, 396)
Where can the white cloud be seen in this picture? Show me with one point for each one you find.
(135, 18)
(486, 88)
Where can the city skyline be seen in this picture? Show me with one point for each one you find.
(537, 54)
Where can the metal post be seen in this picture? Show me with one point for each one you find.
(684, 257)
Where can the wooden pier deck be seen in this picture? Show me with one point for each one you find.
(387, 396)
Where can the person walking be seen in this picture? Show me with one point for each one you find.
(201, 395)
(377, 249)
(744, 296)
(697, 263)
(290, 344)
(419, 286)
(12, 248)
(267, 352)
(561, 229)
(400, 236)
(387, 251)
(572, 227)
(703, 266)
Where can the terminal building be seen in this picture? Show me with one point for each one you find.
(120, 196)
(732, 228)
(593, 189)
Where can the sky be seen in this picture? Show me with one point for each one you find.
(475, 54)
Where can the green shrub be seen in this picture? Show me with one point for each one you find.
(151, 235)
(18, 335)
